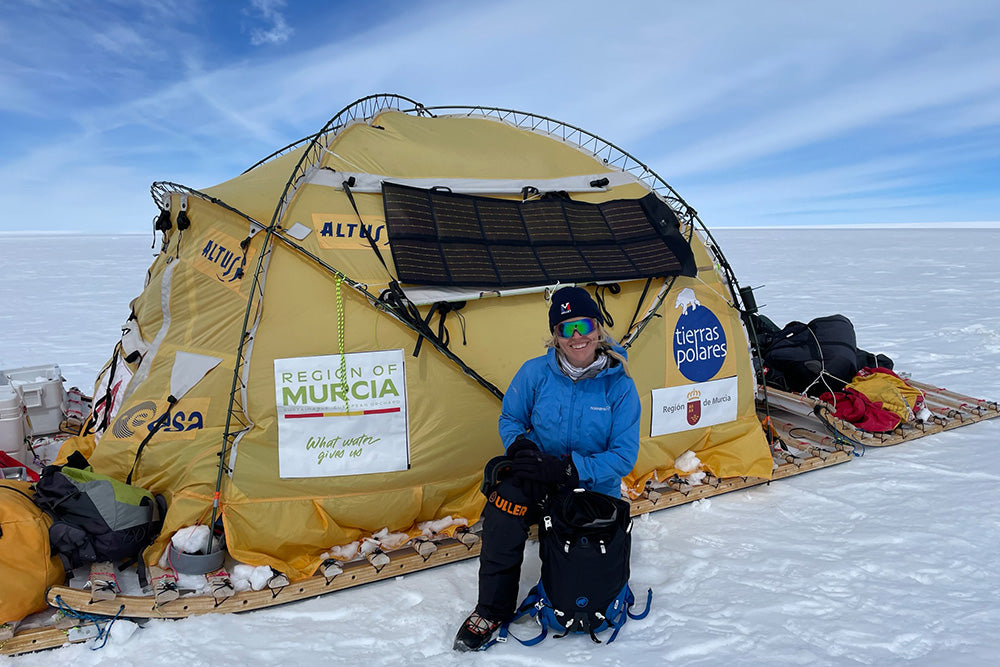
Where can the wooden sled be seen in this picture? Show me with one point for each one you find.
(812, 418)
(392, 563)
(411, 558)
(803, 434)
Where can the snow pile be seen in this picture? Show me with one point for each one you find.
(248, 577)
(191, 540)
(689, 465)
(343, 552)
(431, 529)
(384, 540)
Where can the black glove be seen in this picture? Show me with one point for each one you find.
(523, 449)
(520, 445)
(534, 491)
(545, 469)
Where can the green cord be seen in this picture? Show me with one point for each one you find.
(340, 342)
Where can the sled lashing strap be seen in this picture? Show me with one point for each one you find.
(442, 238)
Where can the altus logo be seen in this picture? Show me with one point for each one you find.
(346, 232)
(354, 230)
(228, 261)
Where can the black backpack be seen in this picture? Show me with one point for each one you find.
(95, 517)
(813, 358)
(794, 357)
(585, 543)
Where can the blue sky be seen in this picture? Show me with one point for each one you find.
(757, 113)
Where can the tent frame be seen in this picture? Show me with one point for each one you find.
(362, 110)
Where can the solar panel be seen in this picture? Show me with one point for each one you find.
(439, 237)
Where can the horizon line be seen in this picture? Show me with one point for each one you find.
(846, 225)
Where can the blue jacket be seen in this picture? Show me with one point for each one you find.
(596, 421)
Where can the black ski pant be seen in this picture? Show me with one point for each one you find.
(509, 513)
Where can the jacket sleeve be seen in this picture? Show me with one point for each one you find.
(515, 415)
(623, 439)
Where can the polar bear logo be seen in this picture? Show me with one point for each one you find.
(685, 300)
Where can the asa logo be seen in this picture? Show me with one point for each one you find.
(182, 421)
(345, 232)
(699, 341)
(139, 421)
(129, 422)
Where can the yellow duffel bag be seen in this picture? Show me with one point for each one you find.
(27, 566)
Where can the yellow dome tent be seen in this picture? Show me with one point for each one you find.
(322, 341)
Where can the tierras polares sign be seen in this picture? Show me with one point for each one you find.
(341, 414)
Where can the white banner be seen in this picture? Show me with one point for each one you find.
(330, 425)
(692, 406)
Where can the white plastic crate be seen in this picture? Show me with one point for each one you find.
(42, 393)
(12, 437)
(9, 399)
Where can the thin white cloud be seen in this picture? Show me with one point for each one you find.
(121, 39)
(278, 31)
(887, 190)
(865, 103)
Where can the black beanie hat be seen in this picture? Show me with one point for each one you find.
(570, 303)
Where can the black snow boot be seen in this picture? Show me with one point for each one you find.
(475, 633)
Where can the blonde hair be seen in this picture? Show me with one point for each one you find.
(605, 344)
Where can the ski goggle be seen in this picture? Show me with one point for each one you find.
(582, 327)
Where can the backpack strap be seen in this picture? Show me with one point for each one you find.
(642, 614)
(532, 605)
(155, 525)
(617, 620)
(617, 624)
(581, 623)
(505, 632)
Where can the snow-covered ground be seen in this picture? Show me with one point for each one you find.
(891, 558)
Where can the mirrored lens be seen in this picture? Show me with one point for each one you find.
(583, 327)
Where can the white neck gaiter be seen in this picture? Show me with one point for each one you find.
(575, 374)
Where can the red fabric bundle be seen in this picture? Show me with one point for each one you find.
(855, 407)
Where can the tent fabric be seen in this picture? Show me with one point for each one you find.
(323, 297)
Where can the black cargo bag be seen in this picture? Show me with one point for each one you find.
(812, 358)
